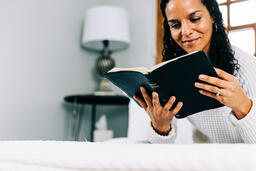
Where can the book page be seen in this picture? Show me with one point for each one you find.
(143, 70)
(163, 63)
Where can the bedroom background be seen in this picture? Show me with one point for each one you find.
(42, 61)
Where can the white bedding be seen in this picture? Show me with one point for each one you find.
(67, 156)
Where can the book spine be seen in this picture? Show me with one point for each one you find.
(155, 86)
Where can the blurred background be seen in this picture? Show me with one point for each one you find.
(42, 61)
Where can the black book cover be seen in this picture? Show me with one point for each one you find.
(171, 78)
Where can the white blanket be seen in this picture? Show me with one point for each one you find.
(67, 156)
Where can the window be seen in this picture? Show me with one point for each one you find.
(240, 21)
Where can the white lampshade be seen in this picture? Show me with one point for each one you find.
(106, 23)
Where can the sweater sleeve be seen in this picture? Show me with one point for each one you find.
(247, 125)
(154, 137)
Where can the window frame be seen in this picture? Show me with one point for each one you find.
(245, 26)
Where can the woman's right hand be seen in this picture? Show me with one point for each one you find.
(161, 116)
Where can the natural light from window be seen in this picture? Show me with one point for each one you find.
(243, 38)
(221, 1)
(243, 13)
(223, 10)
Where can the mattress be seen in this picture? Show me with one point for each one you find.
(72, 156)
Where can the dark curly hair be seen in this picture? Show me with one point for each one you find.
(220, 53)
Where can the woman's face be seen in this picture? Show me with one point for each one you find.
(190, 24)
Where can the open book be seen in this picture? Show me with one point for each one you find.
(175, 77)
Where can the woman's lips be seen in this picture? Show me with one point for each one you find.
(190, 42)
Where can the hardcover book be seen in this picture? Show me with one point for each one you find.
(175, 77)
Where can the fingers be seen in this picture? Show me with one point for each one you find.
(156, 102)
(214, 80)
(169, 104)
(224, 75)
(141, 102)
(210, 88)
(146, 97)
(177, 108)
(226, 83)
(210, 94)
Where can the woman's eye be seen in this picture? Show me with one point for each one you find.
(176, 25)
(193, 20)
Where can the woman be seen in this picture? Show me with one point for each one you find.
(191, 25)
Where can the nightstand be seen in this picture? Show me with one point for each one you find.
(93, 100)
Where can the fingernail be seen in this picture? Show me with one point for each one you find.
(197, 84)
(201, 76)
(154, 95)
(172, 98)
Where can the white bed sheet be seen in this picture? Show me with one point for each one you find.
(67, 156)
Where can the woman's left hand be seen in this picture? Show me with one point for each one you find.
(227, 91)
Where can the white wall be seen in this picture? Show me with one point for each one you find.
(42, 61)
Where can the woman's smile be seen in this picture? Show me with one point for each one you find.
(190, 42)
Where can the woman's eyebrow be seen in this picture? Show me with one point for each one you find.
(173, 20)
(191, 14)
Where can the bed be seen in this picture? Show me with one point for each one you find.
(74, 156)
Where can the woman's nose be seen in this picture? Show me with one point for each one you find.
(186, 29)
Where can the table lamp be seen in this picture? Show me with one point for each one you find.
(106, 29)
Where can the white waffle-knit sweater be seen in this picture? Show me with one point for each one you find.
(220, 125)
